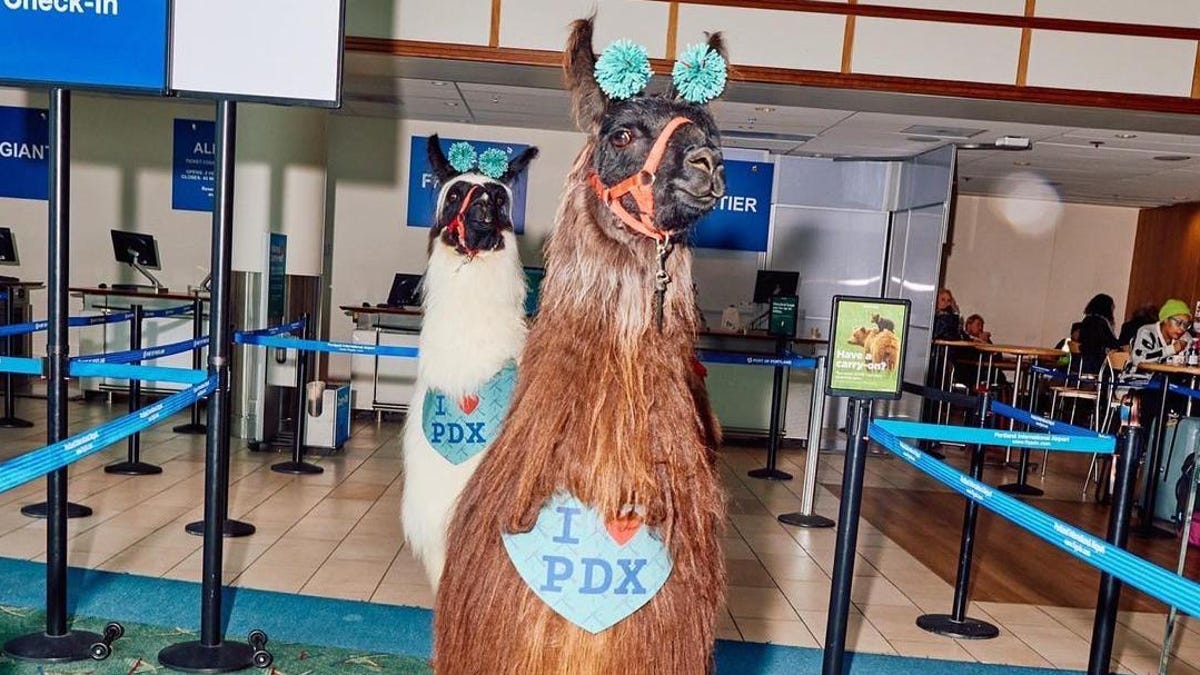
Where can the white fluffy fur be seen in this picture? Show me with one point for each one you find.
(474, 322)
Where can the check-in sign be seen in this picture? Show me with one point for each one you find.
(102, 44)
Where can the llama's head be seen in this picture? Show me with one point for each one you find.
(665, 146)
(475, 200)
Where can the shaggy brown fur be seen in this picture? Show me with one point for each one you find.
(882, 346)
(606, 408)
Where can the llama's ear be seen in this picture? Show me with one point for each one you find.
(518, 164)
(438, 162)
(579, 69)
(704, 81)
(716, 42)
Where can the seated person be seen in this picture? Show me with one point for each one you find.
(1146, 314)
(975, 331)
(1096, 337)
(947, 322)
(1065, 343)
(1165, 341)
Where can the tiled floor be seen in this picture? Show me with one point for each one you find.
(338, 535)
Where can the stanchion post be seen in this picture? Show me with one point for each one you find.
(770, 472)
(10, 419)
(1146, 526)
(297, 465)
(847, 538)
(957, 624)
(807, 516)
(1109, 596)
(57, 643)
(212, 653)
(195, 426)
(133, 464)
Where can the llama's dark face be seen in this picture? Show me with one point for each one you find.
(473, 210)
(691, 178)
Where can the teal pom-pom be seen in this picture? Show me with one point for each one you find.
(623, 69)
(462, 156)
(699, 74)
(493, 163)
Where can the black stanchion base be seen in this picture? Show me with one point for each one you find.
(14, 423)
(1021, 489)
(297, 468)
(40, 510)
(189, 428)
(769, 474)
(76, 645)
(193, 657)
(967, 629)
(233, 528)
(133, 469)
(800, 520)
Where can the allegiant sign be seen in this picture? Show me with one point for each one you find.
(103, 44)
(24, 153)
(742, 219)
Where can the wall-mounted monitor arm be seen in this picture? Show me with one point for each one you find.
(137, 265)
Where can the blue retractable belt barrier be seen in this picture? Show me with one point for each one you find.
(1061, 375)
(1002, 438)
(292, 327)
(1146, 577)
(1185, 391)
(37, 463)
(1043, 423)
(167, 311)
(135, 355)
(319, 346)
(737, 358)
(128, 372)
(74, 322)
(20, 365)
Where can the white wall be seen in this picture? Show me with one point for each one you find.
(368, 169)
(1030, 282)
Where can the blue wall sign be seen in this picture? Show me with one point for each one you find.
(742, 220)
(423, 187)
(591, 572)
(24, 152)
(85, 43)
(459, 430)
(193, 177)
(277, 277)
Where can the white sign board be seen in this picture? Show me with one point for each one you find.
(259, 50)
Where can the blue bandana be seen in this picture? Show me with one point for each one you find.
(461, 429)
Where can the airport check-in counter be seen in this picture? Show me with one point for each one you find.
(383, 384)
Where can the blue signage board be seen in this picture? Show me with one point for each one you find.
(742, 220)
(24, 153)
(277, 277)
(193, 176)
(423, 186)
(107, 44)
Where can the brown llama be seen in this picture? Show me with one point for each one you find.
(608, 429)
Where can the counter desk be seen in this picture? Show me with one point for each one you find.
(383, 384)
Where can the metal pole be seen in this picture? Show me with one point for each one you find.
(1146, 527)
(57, 643)
(807, 516)
(770, 472)
(847, 538)
(957, 624)
(133, 464)
(297, 465)
(211, 653)
(195, 426)
(1109, 596)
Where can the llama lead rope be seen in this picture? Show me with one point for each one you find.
(661, 279)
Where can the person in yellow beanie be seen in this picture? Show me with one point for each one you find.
(1166, 341)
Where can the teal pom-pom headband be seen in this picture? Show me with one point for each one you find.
(493, 163)
(623, 71)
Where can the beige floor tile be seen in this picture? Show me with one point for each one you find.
(412, 595)
(945, 649)
(791, 633)
(759, 603)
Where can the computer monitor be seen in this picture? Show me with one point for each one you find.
(406, 291)
(8, 247)
(135, 247)
(770, 283)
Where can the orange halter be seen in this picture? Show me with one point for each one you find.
(640, 185)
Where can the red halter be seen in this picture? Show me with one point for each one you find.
(459, 225)
(640, 185)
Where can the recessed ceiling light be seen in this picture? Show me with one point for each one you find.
(765, 108)
(746, 127)
(495, 99)
(1172, 158)
(452, 104)
(922, 139)
(1021, 163)
(1125, 135)
(439, 83)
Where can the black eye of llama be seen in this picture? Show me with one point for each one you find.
(472, 212)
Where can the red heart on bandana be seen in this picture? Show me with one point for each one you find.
(623, 528)
(468, 403)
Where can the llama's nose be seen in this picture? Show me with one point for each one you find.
(705, 159)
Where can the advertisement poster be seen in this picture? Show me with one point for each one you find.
(277, 276)
(782, 320)
(423, 186)
(867, 347)
(193, 174)
(742, 219)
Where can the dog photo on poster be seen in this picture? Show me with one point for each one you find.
(867, 349)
